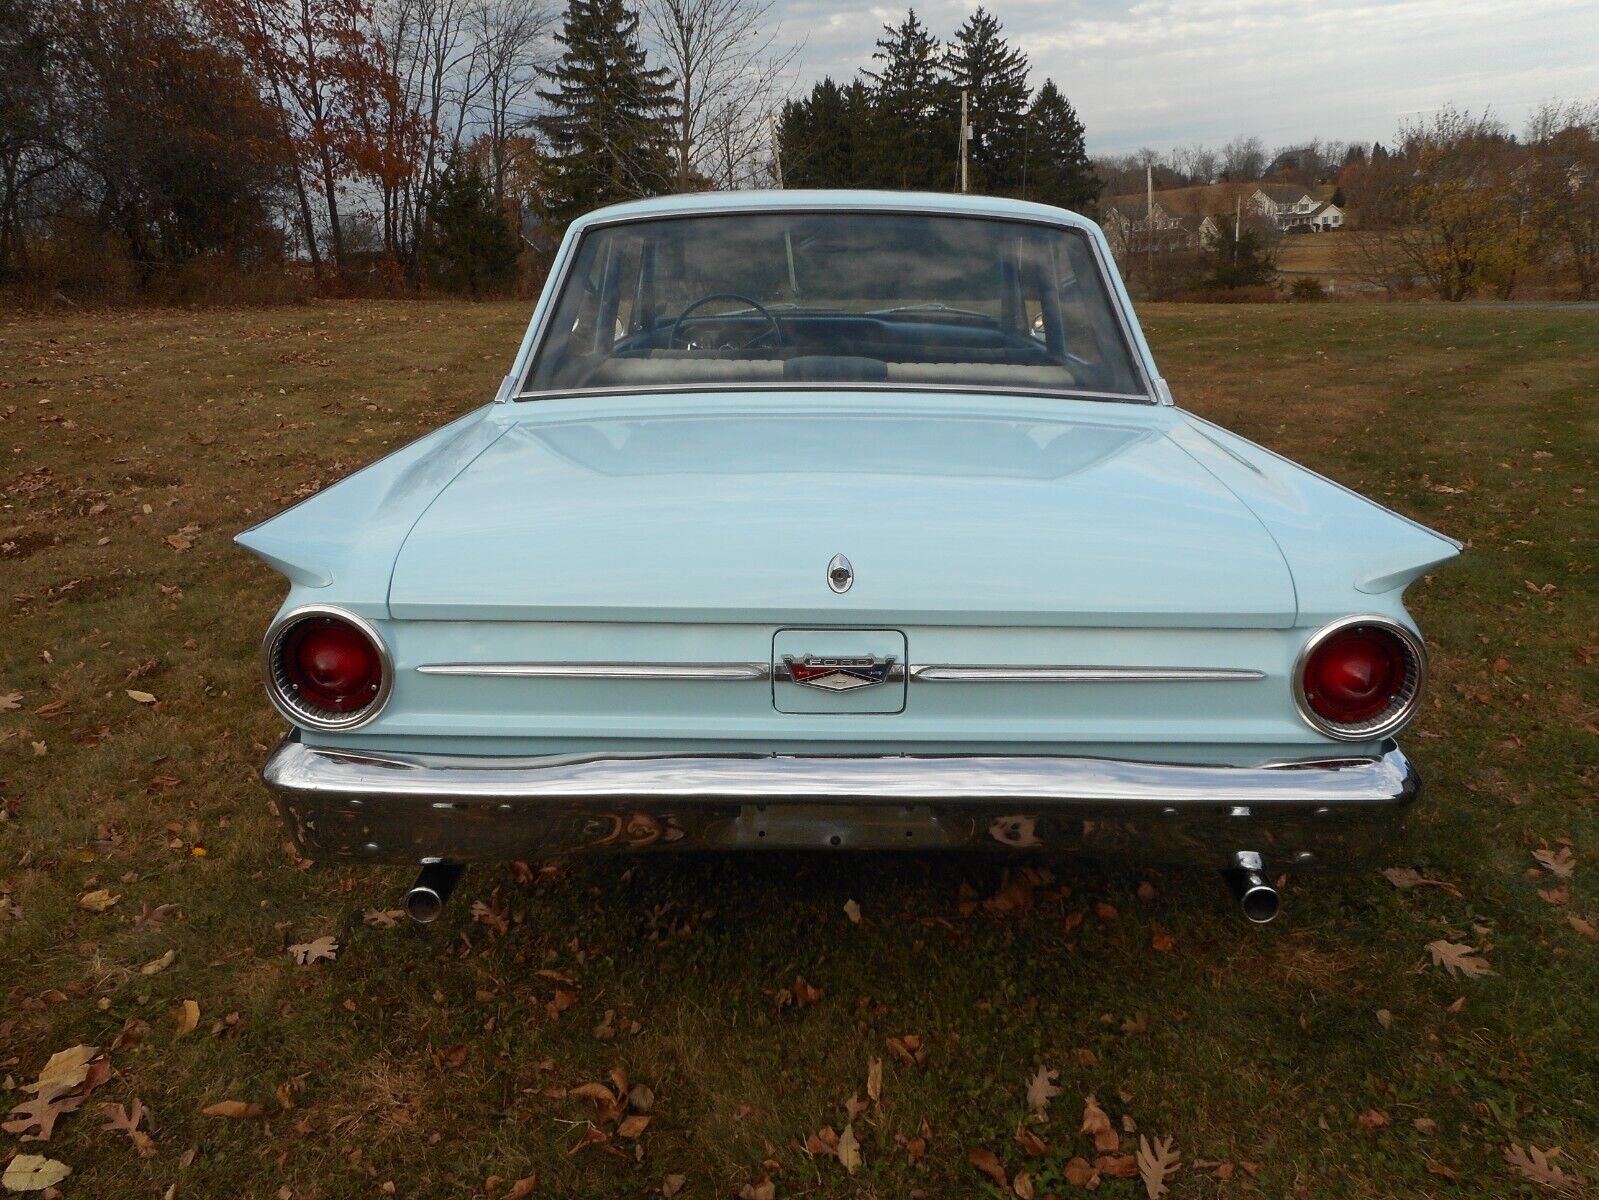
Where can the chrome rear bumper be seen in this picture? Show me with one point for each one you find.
(425, 808)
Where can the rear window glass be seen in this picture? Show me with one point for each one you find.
(798, 299)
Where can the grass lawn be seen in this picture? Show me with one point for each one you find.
(1324, 1055)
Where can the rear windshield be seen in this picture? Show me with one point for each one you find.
(800, 299)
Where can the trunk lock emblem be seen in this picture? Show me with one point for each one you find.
(838, 674)
(840, 574)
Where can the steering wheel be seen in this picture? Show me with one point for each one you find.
(776, 332)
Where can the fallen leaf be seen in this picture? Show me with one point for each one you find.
(306, 953)
(97, 901)
(522, 1188)
(382, 918)
(804, 993)
(1583, 926)
(1425, 1125)
(34, 1173)
(10, 700)
(65, 1069)
(761, 1189)
(156, 965)
(1162, 942)
(1458, 958)
(139, 697)
(1029, 1141)
(234, 1110)
(188, 1017)
(633, 1126)
(1156, 1163)
(1022, 1185)
(1081, 1173)
(1561, 862)
(908, 1048)
(672, 1185)
(1534, 1164)
(874, 1079)
(849, 1150)
(988, 1163)
(1041, 1089)
(1097, 1124)
(34, 1120)
(1372, 1119)
(1385, 1018)
(126, 1120)
(852, 911)
(1117, 1166)
(592, 1136)
(641, 1098)
(1405, 878)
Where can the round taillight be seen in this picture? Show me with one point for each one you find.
(326, 669)
(1360, 679)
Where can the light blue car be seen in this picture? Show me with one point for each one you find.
(841, 519)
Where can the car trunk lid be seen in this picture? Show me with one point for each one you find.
(731, 508)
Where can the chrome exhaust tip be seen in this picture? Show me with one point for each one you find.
(1255, 894)
(425, 902)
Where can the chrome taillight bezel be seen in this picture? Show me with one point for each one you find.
(1400, 710)
(285, 696)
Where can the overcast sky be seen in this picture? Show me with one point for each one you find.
(1164, 72)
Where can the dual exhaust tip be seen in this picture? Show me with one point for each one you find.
(425, 901)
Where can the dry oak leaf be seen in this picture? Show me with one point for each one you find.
(1372, 1119)
(1562, 861)
(1041, 1089)
(1097, 1124)
(66, 1068)
(126, 1120)
(804, 994)
(34, 1120)
(1583, 926)
(522, 1188)
(633, 1126)
(762, 1189)
(382, 918)
(849, 1150)
(1405, 878)
(1117, 1166)
(97, 901)
(10, 700)
(592, 1136)
(988, 1163)
(1022, 1185)
(1458, 958)
(306, 953)
(188, 1017)
(33, 1173)
(234, 1110)
(1535, 1164)
(908, 1048)
(1156, 1163)
(672, 1185)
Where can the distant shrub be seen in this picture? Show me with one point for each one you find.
(1307, 287)
(1256, 294)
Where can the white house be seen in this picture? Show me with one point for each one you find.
(1293, 209)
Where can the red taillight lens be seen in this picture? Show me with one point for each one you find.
(1356, 674)
(332, 664)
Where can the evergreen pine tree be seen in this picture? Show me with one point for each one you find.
(606, 122)
(912, 143)
(1055, 168)
(994, 74)
(470, 247)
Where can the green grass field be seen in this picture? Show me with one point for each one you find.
(1323, 1056)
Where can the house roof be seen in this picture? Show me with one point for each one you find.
(840, 199)
(1284, 193)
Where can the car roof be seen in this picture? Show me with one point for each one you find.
(842, 199)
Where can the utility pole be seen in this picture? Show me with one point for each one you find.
(966, 138)
(1238, 223)
(777, 151)
(1149, 209)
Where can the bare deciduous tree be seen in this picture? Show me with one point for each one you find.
(728, 69)
(514, 37)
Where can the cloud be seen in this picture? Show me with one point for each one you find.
(1164, 72)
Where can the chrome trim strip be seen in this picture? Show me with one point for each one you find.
(298, 770)
(602, 670)
(558, 278)
(1385, 723)
(276, 685)
(957, 673)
